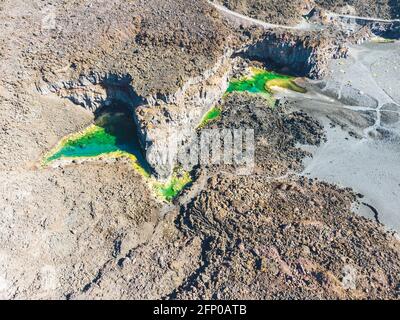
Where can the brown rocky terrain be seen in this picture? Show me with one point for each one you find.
(138, 46)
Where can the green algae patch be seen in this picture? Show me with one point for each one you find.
(261, 82)
(211, 115)
(113, 135)
(173, 187)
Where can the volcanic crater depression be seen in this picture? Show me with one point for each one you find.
(90, 227)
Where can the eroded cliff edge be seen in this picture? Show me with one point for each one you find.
(95, 231)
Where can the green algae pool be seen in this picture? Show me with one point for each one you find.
(262, 82)
(112, 135)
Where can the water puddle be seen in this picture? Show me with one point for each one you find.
(264, 82)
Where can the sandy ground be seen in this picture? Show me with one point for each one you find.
(362, 149)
